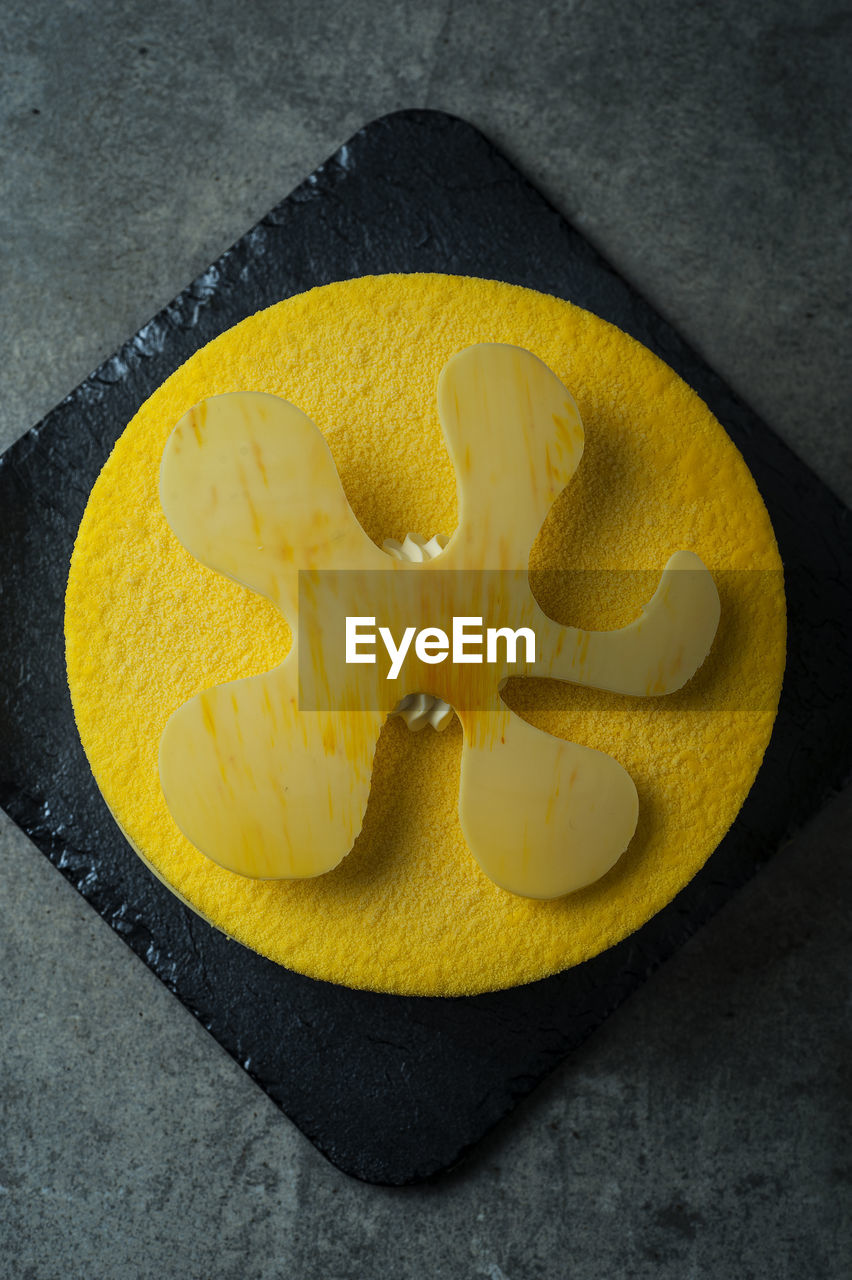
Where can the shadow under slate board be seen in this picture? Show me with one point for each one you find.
(390, 1089)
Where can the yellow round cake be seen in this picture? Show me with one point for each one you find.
(409, 910)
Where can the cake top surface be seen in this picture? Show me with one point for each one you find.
(409, 910)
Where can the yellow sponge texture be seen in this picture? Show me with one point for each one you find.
(408, 911)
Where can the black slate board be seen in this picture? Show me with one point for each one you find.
(391, 1089)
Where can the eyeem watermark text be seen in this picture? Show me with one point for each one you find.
(468, 641)
(366, 638)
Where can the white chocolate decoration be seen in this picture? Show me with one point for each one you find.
(420, 709)
(268, 789)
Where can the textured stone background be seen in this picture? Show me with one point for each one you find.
(706, 151)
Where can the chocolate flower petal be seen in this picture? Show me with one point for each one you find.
(542, 816)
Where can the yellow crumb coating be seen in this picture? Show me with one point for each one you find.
(408, 910)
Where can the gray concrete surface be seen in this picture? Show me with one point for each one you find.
(705, 149)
